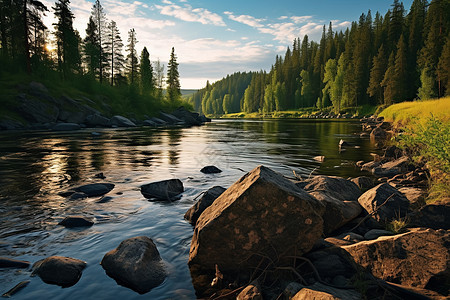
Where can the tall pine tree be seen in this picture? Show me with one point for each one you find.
(173, 79)
(132, 60)
(146, 73)
(114, 54)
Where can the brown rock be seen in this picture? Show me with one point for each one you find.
(363, 182)
(206, 200)
(337, 187)
(136, 264)
(59, 270)
(419, 258)
(251, 292)
(320, 291)
(414, 195)
(262, 213)
(375, 198)
(436, 216)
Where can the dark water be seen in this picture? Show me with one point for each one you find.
(35, 167)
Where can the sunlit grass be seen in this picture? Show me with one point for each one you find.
(407, 112)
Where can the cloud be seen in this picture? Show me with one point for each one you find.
(301, 19)
(189, 14)
(246, 19)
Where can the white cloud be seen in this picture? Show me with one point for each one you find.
(246, 19)
(283, 18)
(301, 19)
(189, 14)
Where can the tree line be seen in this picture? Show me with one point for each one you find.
(25, 44)
(377, 61)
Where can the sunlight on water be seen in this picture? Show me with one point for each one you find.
(35, 167)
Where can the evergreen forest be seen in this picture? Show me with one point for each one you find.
(380, 60)
(100, 64)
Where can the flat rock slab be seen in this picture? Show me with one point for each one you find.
(59, 270)
(6, 262)
(136, 264)
(262, 213)
(324, 292)
(163, 190)
(95, 189)
(121, 121)
(419, 258)
(76, 221)
(205, 201)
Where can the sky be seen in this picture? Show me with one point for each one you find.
(214, 38)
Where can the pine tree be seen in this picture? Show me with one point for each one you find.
(132, 60)
(389, 81)
(99, 18)
(443, 68)
(91, 49)
(396, 23)
(401, 72)
(68, 53)
(113, 49)
(173, 79)
(427, 89)
(379, 66)
(146, 73)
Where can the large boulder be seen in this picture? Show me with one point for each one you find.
(95, 189)
(97, 120)
(378, 135)
(59, 270)
(436, 216)
(37, 110)
(210, 170)
(337, 212)
(136, 264)
(171, 119)
(363, 182)
(204, 202)
(263, 214)
(385, 202)
(121, 121)
(419, 258)
(337, 187)
(163, 190)
(191, 119)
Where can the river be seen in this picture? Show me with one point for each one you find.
(36, 166)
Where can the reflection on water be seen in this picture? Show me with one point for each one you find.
(35, 167)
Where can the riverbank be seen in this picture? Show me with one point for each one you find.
(34, 106)
(305, 113)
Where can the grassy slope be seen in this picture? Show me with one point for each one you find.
(124, 100)
(427, 136)
(406, 112)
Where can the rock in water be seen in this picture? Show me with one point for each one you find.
(76, 221)
(95, 189)
(59, 270)
(13, 263)
(396, 207)
(163, 190)
(135, 264)
(262, 213)
(210, 170)
(205, 201)
(121, 121)
(66, 127)
(418, 258)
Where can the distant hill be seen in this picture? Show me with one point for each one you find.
(187, 92)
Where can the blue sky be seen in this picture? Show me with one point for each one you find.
(214, 38)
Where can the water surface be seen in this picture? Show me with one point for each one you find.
(36, 166)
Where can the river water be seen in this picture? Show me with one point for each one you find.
(36, 166)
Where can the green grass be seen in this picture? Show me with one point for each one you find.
(397, 225)
(426, 137)
(402, 114)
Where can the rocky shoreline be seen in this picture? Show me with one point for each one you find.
(272, 237)
(38, 110)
